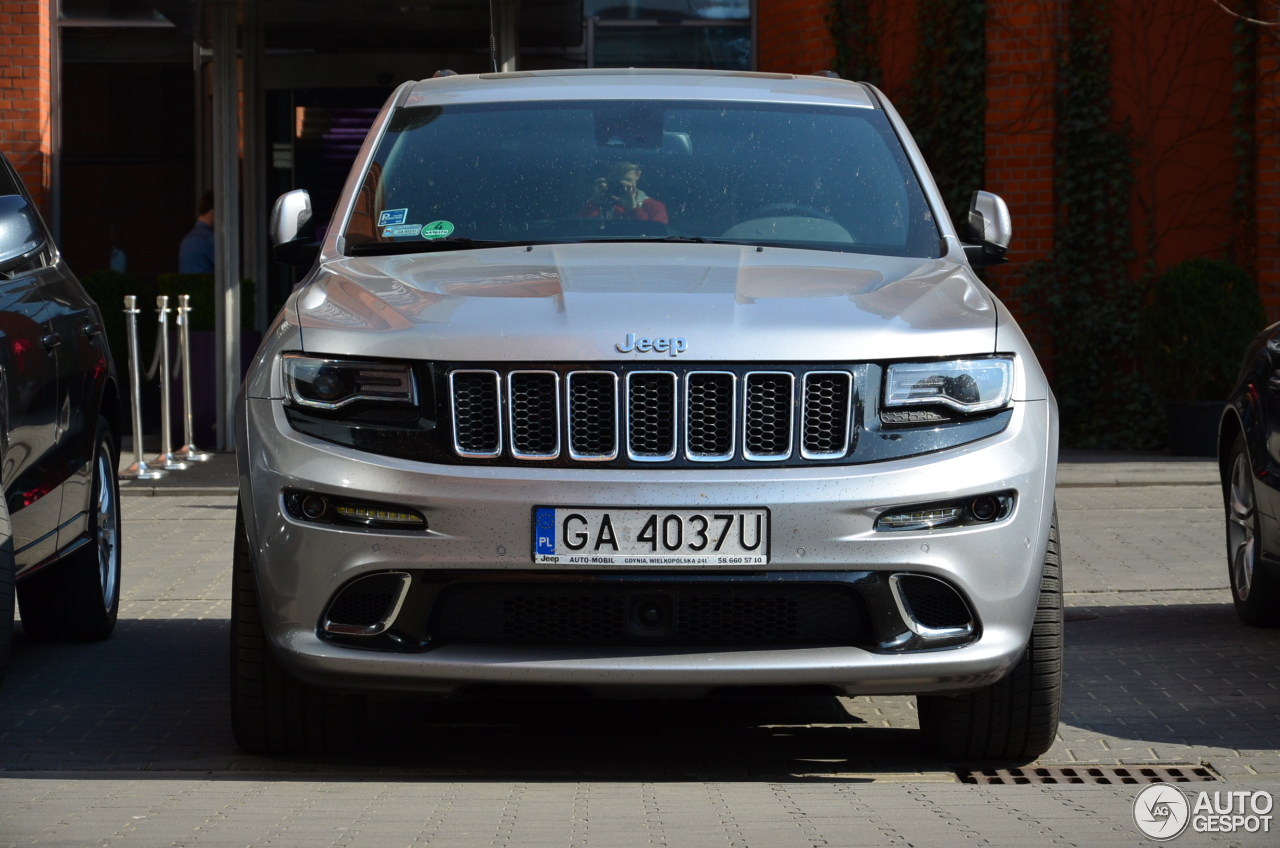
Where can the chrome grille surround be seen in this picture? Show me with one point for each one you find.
(768, 405)
(652, 416)
(465, 408)
(528, 403)
(698, 419)
(579, 412)
(815, 430)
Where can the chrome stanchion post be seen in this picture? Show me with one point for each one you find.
(166, 459)
(188, 451)
(139, 470)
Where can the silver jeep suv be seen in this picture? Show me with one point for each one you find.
(645, 384)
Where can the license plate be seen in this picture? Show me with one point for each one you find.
(576, 536)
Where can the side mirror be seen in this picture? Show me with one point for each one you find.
(21, 236)
(990, 230)
(293, 229)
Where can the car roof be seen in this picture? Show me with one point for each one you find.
(638, 84)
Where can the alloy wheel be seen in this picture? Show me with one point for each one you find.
(106, 526)
(1240, 526)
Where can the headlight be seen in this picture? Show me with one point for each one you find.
(966, 385)
(335, 383)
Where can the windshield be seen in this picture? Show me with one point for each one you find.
(830, 178)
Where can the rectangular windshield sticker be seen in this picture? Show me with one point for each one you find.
(402, 230)
(545, 532)
(392, 216)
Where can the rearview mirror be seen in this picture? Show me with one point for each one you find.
(21, 236)
(293, 229)
(990, 230)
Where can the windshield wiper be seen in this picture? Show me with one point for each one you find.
(393, 248)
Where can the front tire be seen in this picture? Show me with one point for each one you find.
(78, 598)
(1254, 591)
(1015, 718)
(271, 713)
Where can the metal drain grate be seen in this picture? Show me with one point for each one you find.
(1088, 774)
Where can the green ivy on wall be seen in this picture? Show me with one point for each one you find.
(1083, 294)
(946, 106)
(946, 100)
(855, 28)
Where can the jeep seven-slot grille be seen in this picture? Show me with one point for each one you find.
(693, 416)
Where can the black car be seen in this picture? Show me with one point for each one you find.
(1249, 465)
(59, 439)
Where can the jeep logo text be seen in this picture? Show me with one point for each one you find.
(674, 347)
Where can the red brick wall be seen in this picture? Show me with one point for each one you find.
(1021, 73)
(794, 38)
(26, 29)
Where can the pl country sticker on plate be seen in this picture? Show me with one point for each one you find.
(401, 231)
(390, 217)
(437, 229)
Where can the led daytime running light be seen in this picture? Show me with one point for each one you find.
(371, 514)
(921, 518)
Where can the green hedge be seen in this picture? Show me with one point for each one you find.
(1195, 330)
(200, 287)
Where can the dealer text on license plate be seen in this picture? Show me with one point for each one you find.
(576, 536)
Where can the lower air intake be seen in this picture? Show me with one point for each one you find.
(933, 603)
(615, 614)
(367, 606)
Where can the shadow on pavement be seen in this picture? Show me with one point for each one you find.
(154, 697)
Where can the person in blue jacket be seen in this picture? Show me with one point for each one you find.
(195, 254)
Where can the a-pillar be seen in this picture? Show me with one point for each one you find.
(1267, 187)
(1021, 74)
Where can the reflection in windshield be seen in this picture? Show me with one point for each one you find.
(832, 178)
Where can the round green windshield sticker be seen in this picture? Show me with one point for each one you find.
(437, 229)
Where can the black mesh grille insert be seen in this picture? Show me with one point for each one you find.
(932, 602)
(652, 414)
(709, 415)
(367, 601)
(593, 414)
(475, 412)
(535, 420)
(601, 614)
(768, 426)
(826, 413)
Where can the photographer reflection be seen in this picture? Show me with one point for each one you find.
(618, 195)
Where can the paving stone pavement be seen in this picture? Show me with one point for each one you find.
(126, 742)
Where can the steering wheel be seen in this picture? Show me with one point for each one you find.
(787, 210)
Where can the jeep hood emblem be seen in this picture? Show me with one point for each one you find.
(673, 346)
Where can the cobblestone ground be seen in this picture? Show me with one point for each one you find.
(126, 742)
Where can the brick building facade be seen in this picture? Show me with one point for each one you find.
(1172, 73)
(26, 93)
(1173, 76)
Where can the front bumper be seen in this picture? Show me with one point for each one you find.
(479, 521)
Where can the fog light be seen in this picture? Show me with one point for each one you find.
(983, 509)
(314, 506)
(327, 509)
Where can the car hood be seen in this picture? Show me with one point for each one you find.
(582, 302)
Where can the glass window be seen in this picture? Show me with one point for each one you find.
(669, 10)
(830, 178)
